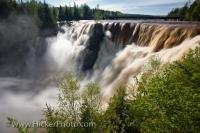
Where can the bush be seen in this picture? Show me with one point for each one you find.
(86, 108)
(118, 117)
(75, 108)
(169, 101)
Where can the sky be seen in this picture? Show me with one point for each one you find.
(150, 7)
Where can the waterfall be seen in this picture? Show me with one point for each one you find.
(107, 53)
(116, 52)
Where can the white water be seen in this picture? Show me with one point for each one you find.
(25, 98)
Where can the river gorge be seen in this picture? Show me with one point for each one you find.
(108, 53)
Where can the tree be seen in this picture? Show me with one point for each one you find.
(86, 12)
(167, 100)
(90, 108)
(69, 106)
(182, 11)
(55, 14)
(6, 7)
(70, 13)
(67, 13)
(46, 18)
(61, 14)
(76, 15)
(118, 117)
(196, 13)
(188, 12)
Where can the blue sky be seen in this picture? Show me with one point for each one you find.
(151, 7)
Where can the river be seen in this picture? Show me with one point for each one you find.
(109, 53)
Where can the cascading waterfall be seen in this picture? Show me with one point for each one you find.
(124, 48)
(109, 54)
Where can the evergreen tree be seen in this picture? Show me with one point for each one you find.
(42, 12)
(70, 14)
(182, 11)
(55, 14)
(61, 14)
(6, 7)
(66, 13)
(76, 15)
(46, 17)
(196, 13)
(188, 12)
(86, 12)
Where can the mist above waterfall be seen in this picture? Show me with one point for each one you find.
(109, 54)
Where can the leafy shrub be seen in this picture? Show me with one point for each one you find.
(169, 101)
(75, 108)
(86, 108)
(118, 117)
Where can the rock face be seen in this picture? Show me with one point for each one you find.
(90, 53)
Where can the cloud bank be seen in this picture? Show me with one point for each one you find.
(155, 7)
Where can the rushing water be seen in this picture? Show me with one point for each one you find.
(109, 54)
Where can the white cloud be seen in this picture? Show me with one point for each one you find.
(68, 2)
(144, 6)
(83, 1)
(126, 6)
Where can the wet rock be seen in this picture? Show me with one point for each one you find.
(90, 53)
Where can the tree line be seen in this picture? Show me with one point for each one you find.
(46, 16)
(190, 11)
(84, 12)
(40, 12)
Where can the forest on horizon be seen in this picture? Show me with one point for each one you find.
(46, 16)
(189, 12)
